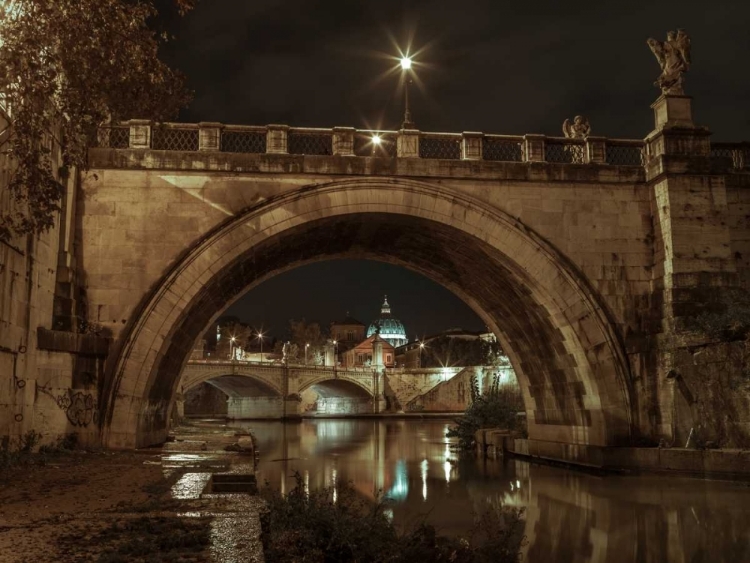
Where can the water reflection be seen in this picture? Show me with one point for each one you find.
(570, 516)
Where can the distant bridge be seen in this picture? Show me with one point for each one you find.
(263, 390)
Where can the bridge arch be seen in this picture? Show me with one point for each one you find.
(325, 383)
(564, 347)
(195, 375)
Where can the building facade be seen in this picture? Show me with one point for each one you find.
(347, 333)
(365, 354)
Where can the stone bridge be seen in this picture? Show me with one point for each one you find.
(591, 261)
(280, 386)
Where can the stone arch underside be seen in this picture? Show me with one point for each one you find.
(234, 385)
(566, 353)
(328, 388)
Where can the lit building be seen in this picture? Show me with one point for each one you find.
(363, 353)
(390, 329)
(347, 333)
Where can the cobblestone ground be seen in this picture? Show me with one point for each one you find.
(147, 505)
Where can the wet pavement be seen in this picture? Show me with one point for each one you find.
(197, 454)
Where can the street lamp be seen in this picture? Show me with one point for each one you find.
(421, 347)
(405, 68)
(376, 140)
(232, 340)
(260, 337)
(306, 347)
(335, 356)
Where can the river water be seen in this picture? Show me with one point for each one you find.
(569, 516)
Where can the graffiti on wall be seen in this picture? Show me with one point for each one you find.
(81, 408)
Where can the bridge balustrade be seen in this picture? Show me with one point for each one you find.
(731, 156)
(343, 141)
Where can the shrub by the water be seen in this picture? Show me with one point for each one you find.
(312, 527)
(498, 407)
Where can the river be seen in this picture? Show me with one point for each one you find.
(570, 516)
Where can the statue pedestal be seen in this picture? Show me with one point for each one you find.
(675, 134)
(673, 111)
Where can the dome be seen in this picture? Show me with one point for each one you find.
(390, 329)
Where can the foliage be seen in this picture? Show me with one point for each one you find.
(498, 407)
(67, 67)
(20, 452)
(729, 319)
(446, 351)
(313, 527)
(301, 333)
(241, 333)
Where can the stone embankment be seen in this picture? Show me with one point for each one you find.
(494, 442)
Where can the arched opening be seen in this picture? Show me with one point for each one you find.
(565, 351)
(225, 395)
(339, 396)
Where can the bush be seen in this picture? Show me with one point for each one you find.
(497, 408)
(313, 527)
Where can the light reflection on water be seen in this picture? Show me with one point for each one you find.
(570, 516)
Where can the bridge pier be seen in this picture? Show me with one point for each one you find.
(274, 408)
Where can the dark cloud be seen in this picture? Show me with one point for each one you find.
(501, 67)
(489, 65)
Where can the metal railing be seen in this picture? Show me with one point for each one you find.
(443, 146)
(565, 151)
(625, 152)
(248, 140)
(310, 141)
(733, 156)
(174, 137)
(117, 137)
(279, 139)
(502, 148)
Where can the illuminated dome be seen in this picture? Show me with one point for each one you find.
(391, 330)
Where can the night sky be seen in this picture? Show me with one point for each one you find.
(492, 66)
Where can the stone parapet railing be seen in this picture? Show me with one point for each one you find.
(733, 156)
(351, 142)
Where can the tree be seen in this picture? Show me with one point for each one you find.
(447, 351)
(241, 334)
(300, 334)
(66, 68)
(498, 407)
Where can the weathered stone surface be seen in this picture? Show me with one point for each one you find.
(590, 274)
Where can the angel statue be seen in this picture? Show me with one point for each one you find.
(579, 128)
(674, 58)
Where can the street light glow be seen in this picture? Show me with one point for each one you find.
(405, 63)
(376, 139)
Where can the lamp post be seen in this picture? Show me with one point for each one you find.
(421, 347)
(306, 347)
(232, 340)
(335, 356)
(260, 337)
(405, 68)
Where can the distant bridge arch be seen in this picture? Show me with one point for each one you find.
(196, 373)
